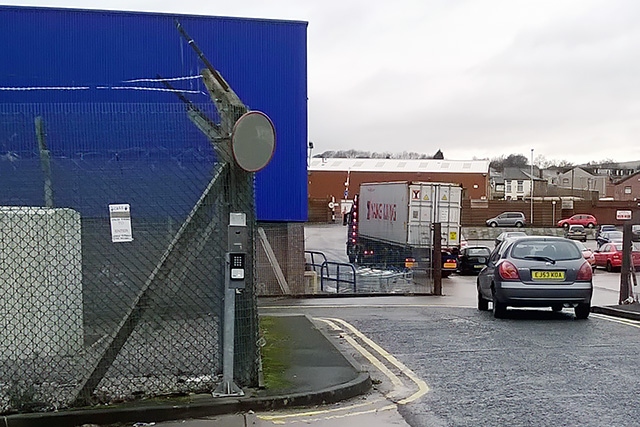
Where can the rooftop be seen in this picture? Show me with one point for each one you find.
(398, 165)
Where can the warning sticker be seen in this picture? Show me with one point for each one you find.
(120, 217)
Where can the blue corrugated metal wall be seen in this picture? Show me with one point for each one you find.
(95, 60)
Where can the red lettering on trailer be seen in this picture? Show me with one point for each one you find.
(381, 211)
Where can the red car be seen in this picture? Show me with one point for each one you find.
(586, 220)
(588, 254)
(609, 256)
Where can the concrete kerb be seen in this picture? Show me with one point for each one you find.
(630, 311)
(202, 405)
(169, 412)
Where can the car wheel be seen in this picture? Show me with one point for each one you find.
(556, 307)
(565, 225)
(582, 310)
(499, 308)
(590, 225)
(493, 224)
(609, 267)
(483, 304)
(519, 224)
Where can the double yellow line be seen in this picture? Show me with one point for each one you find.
(380, 362)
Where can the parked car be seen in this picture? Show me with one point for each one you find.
(536, 271)
(606, 227)
(449, 261)
(609, 256)
(576, 232)
(635, 233)
(587, 254)
(472, 259)
(609, 237)
(506, 234)
(507, 219)
(585, 220)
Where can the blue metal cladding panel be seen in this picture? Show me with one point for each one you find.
(96, 63)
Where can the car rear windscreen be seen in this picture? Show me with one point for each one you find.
(557, 250)
(478, 252)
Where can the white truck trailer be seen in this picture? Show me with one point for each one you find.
(391, 223)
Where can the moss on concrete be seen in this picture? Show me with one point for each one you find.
(275, 353)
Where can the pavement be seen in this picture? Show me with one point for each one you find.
(319, 373)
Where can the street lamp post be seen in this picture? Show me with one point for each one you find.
(531, 190)
(310, 147)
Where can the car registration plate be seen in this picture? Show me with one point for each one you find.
(478, 266)
(449, 265)
(547, 275)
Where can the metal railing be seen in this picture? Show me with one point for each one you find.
(312, 262)
(331, 274)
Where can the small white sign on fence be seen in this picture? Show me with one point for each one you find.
(623, 214)
(120, 216)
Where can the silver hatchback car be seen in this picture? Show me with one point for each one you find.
(536, 271)
(507, 219)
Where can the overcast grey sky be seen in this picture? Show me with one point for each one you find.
(473, 78)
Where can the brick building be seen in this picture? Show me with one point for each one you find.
(339, 179)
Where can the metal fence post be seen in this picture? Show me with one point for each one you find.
(237, 243)
(436, 258)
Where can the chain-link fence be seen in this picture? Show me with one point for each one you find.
(112, 253)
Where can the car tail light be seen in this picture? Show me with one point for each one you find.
(508, 271)
(409, 262)
(585, 273)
